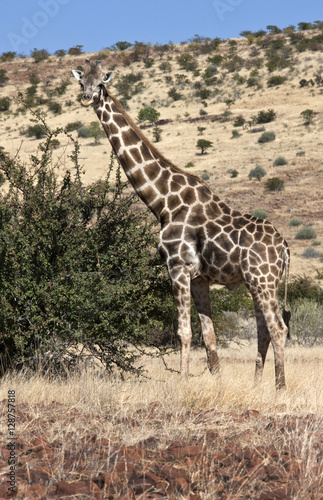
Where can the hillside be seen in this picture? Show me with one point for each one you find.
(212, 86)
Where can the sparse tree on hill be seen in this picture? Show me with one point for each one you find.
(203, 145)
(148, 114)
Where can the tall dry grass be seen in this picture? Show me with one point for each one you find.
(163, 401)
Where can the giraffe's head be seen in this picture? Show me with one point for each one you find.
(92, 81)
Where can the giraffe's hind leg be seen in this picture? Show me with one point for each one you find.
(263, 344)
(273, 329)
(201, 296)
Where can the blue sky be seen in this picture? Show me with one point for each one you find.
(61, 24)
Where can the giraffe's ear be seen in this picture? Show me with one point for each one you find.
(107, 77)
(78, 74)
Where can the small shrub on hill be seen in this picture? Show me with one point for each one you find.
(187, 62)
(73, 126)
(174, 94)
(55, 107)
(165, 67)
(295, 221)
(257, 173)
(274, 184)
(311, 253)
(5, 103)
(279, 161)
(267, 137)
(8, 56)
(308, 115)
(239, 121)
(83, 132)
(276, 80)
(266, 116)
(39, 55)
(148, 114)
(36, 131)
(3, 77)
(260, 214)
(306, 233)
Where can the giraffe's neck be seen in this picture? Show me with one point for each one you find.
(147, 170)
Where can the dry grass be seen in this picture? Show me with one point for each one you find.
(116, 402)
(250, 441)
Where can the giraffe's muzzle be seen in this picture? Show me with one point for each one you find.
(87, 100)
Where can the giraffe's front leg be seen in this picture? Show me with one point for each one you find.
(180, 279)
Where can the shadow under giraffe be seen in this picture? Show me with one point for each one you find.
(202, 240)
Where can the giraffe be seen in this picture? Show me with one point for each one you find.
(202, 240)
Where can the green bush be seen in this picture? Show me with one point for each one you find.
(76, 268)
(165, 67)
(307, 325)
(258, 172)
(8, 56)
(39, 55)
(274, 184)
(148, 62)
(157, 131)
(96, 131)
(5, 103)
(274, 81)
(61, 89)
(239, 121)
(295, 221)
(187, 62)
(306, 233)
(267, 137)
(37, 131)
(3, 77)
(300, 288)
(260, 214)
(55, 107)
(266, 116)
(83, 132)
(130, 84)
(308, 115)
(76, 50)
(203, 93)
(70, 127)
(148, 114)
(205, 176)
(280, 160)
(174, 94)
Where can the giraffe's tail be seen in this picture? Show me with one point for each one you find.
(286, 313)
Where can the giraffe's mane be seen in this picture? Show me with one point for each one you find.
(152, 148)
